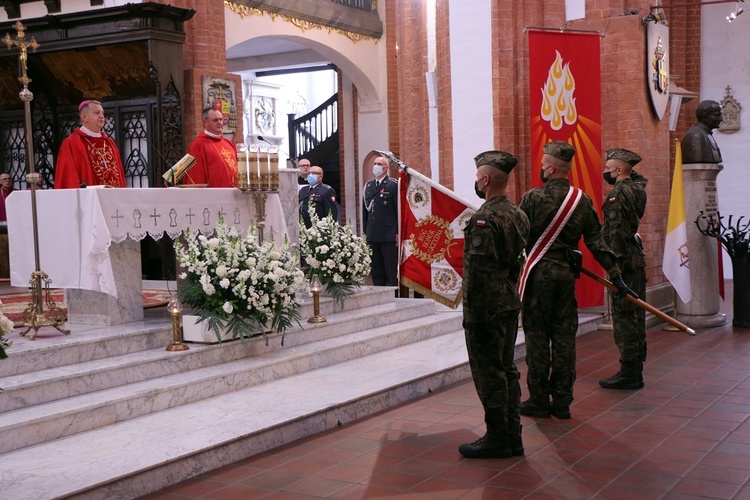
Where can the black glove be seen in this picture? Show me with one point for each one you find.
(622, 287)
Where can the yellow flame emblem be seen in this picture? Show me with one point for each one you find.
(558, 103)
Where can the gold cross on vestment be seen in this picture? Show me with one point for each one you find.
(22, 44)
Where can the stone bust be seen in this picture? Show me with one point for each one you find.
(698, 145)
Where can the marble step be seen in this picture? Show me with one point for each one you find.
(30, 425)
(87, 343)
(140, 455)
(67, 381)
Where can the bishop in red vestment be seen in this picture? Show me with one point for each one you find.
(88, 157)
(215, 156)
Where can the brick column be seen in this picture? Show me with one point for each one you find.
(204, 53)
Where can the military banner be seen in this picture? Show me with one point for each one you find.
(432, 238)
(565, 100)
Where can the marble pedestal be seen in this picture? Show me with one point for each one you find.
(96, 308)
(289, 195)
(701, 196)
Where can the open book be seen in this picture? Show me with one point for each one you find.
(178, 170)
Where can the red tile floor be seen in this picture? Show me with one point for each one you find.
(685, 435)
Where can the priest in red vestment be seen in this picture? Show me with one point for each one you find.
(88, 157)
(215, 156)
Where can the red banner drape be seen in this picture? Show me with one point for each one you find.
(565, 100)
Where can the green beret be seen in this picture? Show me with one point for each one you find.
(625, 155)
(560, 149)
(498, 159)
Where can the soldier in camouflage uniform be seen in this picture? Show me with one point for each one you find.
(622, 212)
(494, 239)
(550, 316)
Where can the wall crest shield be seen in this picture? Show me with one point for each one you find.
(657, 55)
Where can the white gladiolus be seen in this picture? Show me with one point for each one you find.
(6, 325)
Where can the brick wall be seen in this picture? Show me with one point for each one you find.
(392, 18)
(412, 65)
(444, 94)
(204, 53)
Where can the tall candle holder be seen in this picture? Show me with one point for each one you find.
(316, 287)
(243, 167)
(175, 309)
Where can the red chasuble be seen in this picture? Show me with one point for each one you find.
(93, 161)
(215, 162)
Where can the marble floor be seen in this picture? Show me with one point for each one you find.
(685, 435)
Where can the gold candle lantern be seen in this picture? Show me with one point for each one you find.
(255, 171)
(265, 171)
(175, 309)
(243, 169)
(316, 287)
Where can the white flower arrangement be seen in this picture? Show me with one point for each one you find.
(6, 326)
(238, 285)
(340, 258)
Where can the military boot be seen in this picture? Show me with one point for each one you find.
(639, 374)
(515, 441)
(487, 447)
(626, 378)
(534, 409)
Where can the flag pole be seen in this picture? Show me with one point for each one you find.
(410, 171)
(640, 303)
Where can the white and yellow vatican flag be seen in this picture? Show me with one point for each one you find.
(675, 264)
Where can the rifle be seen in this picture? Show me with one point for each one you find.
(640, 303)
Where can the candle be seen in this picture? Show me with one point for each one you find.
(256, 174)
(268, 166)
(275, 172)
(247, 168)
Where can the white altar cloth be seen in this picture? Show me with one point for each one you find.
(77, 227)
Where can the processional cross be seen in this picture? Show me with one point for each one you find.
(33, 316)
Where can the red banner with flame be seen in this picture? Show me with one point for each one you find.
(565, 99)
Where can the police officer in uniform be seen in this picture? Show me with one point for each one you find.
(493, 241)
(550, 317)
(321, 196)
(622, 211)
(380, 220)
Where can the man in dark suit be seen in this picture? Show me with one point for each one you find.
(321, 196)
(380, 214)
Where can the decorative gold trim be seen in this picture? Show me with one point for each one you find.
(432, 295)
(446, 236)
(245, 11)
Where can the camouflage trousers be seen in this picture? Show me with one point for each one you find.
(491, 348)
(550, 323)
(629, 320)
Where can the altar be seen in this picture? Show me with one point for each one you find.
(88, 238)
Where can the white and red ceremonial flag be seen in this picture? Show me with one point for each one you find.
(675, 262)
(432, 237)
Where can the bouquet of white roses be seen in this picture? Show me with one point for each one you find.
(340, 258)
(238, 285)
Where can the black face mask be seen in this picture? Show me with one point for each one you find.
(477, 191)
(541, 176)
(609, 179)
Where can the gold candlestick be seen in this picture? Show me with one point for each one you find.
(175, 309)
(316, 287)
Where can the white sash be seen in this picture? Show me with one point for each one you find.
(549, 235)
